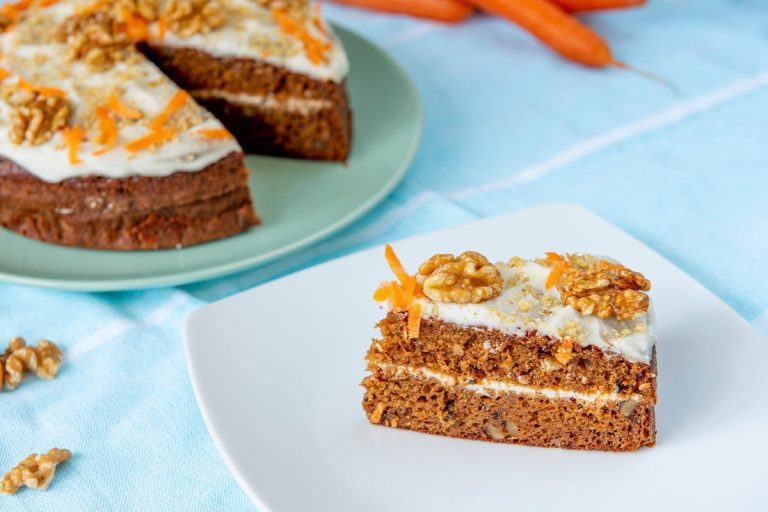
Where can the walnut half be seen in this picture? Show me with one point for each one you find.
(35, 472)
(34, 117)
(467, 278)
(94, 38)
(604, 289)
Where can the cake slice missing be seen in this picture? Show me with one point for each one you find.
(554, 352)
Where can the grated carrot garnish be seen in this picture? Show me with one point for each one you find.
(554, 257)
(4, 73)
(554, 275)
(73, 136)
(118, 107)
(314, 48)
(134, 26)
(214, 133)
(414, 320)
(382, 292)
(395, 265)
(13, 10)
(42, 91)
(175, 103)
(317, 20)
(48, 3)
(154, 137)
(162, 26)
(107, 130)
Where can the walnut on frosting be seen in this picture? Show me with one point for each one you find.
(467, 278)
(35, 471)
(35, 117)
(296, 9)
(599, 287)
(189, 17)
(94, 38)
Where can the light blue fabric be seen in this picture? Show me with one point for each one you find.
(508, 125)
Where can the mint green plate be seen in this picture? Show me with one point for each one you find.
(299, 202)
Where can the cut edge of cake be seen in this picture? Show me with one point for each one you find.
(554, 352)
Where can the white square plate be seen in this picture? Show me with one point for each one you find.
(276, 372)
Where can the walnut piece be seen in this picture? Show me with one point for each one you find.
(93, 37)
(34, 117)
(296, 9)
(35, 472)
(147, 9)
(460, 280)
(189, 17)
(604, 289)
(44, 360)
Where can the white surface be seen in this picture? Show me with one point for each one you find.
(276, 371)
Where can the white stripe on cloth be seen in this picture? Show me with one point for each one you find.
(122, 325)
(761, 323)
(628, 131)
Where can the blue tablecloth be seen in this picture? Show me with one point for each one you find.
(508, 125)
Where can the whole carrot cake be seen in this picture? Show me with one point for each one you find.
(553, 352)
(101, 147)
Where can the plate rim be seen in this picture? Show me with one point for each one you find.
(220, 270)
(195, 378)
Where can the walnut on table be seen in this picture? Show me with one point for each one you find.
(189, 17)
(44, 360)
(34, 117)
(35, 472)
(467, 278)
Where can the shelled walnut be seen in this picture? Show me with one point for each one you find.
(34, 117)
(189, 17)
(94, 38)
(35, 472)
(468, 278)
(44, 360)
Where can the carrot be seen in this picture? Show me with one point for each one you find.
(42, 91)
(136, 27)
(554, 27)
(315, 48)
(154, 137)
(73, 136)
(47, 3)
(414, 320)
(107, 130)
(4, 73)
(442, 10)
(118, 107)
(175, 103)
(162, 27)
(214, 133)
(597, 5)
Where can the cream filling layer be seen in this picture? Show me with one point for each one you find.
(490, 387)
(264, 101)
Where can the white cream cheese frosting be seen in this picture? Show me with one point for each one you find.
(526, 304)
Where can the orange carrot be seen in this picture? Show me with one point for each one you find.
(47, 3)
(107, 130)
(4, 73)
(175, 103)
(597, 5)
(136, 27)
(442, 10)
(73, 136)
(121, 109)
(154, 137)
(553, 26)
(214, 133)
(315, 48)
(414, 320)
(42, 91)
(162, 26)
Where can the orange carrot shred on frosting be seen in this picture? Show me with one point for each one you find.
(214, 133)
(162, 26)
(315, 48)
(118, 107)
(107, 130)
(135, 27)
(395, 265)
(12, 10)
(73, 136)
(317, 19)
(554, 257)
(42, 91)
(154, 137)
(557, 270)
(175, 103)
(414, 320)
(4, 73)
(47, 3)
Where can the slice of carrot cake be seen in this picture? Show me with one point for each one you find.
(555, 352)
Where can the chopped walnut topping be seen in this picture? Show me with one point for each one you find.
(35, 117)
(45, 361)
(189, 17)
(93, 37)
(35, 472)
(602, 288)
(466, 278)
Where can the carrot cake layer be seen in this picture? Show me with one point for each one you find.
(558, 351)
